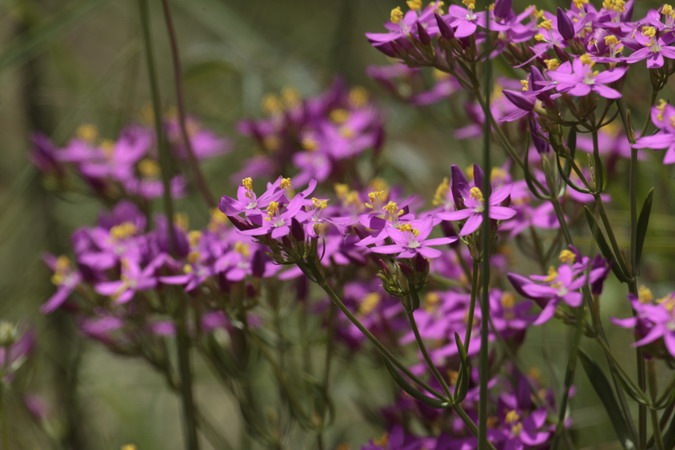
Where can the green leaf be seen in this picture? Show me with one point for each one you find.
(602, 244)
(603, 388)
(669, 436)
(643, 223)
(407, 387)
(462, 386)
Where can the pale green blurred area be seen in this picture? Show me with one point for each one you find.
(81, 62)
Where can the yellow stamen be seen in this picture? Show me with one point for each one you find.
(611, 40)
(182, 221)
(272, 209)
(218, 220)
(645, 295)
(369, 303)
(310, 144)
(414, 4)
(508, 300)
(661, 107)
(271, 104)
(586, 59)
(552, 64)
(667, 10)
(648, 31)
(286, 183)
(341, 190)
(375, 197)
(346, 132)
(552, 274)
(87, 132)
(149, 168)
(525, 84)
(580, 3)
(539, 37)
(441, 192)
(271, 143)
(319, 204)
(194, 237)
(396, 15)
(129, 447)
(339, 115)
(291, 97)
(193, 257)
(511, 416)
(358, 97)
(393, 209)
(247, 183)
(476, 194)
(517, 428)
(470, 4)
(567, 257)
(242, 248)
(546, 25)
(123, 231)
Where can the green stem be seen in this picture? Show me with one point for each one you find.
(164, 152)
(3, 416)
(180, 105)
(656, 426)
(185, 374)
(427, 358)
(475, 275)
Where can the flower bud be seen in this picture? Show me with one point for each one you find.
(8, 334)
(258, 263)
(445, 29)
(502, 9)
(565, 25)
(421, 264)
(422, 34)
(297, 231)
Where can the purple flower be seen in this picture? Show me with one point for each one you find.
(132, 279)
(578, 78)
(474, 204)
(663, 117)
(410, 239)
(654, 50)
(65, 277)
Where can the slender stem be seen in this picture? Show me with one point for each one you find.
(427, 358)
(185, 373)
(180, 104)
(486, 235)
(3, 415)
(475, 276)
(656, 425)
(164, 153)
(323, 283)
(328, 358)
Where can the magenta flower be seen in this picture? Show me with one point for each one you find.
(654, 50)
(579, 79)
(663, 117)
(410, 239)
(654, 319)
(65, 277)
(475, 204)
(133, 279)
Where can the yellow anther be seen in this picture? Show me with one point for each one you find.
(414, 4)
(645, 295)
(271, 143)
(319, 204)
(286, 183)
(61, 267)
(476, 194)
(536, 13)
(453, 376)
(648, 31)
(194, 237)
(346, 132)
(405, 227)
(508, 300)
(552, 64)
(272, 208)
(108, 147)
(375, 197)
(539, 37)
(668, 302)
(667, 10)
(379, 184)
(129, 447)
(187, 268)
(546, 25)
(339, 115)
(516, 429)
(396, 15)
(182, 221)
(611, 40)
(290, 96)
(567, 257)
(661, 107)
(586, 59)
(383, 441)
(271, 104)
(247, 183)
(432, 299)
(193, 257)
(393, 209)
(580, 3)
(525, 85)
(470, 4)
(497, 173)
(369, 303)
(358, 97)
(353, 198)
(441, 192)
(552, 274)
(87, 132)
(492, 422)
(149, 168)
(242, 248)
(534, 373)
(614, 5)
(218, 220)
(310, 144)
(512, 416)
(123, 231)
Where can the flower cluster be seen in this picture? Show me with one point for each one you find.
(317, 138)
(128, 166)
(654, 322)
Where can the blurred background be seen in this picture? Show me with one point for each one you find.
(68, 62)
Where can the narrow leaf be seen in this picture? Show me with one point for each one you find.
(643, 223)
(602, 244)
(603, 388)
(407, 387)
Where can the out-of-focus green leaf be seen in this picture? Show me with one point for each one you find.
(643, 223)
(603, 388)
(407, 387)
(604, 247)
(34, 41)
(462, 385)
